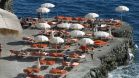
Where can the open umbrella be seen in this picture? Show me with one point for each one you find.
(43, 10)
(43, 25)
(56, 40)
(9, 23)
(41, 38)
(64, 25)
(91, 15)
(122, 9)
(103, 25)
(77, 33)
(86, 41)
(76, 26)
(102, 34)
(48, 5)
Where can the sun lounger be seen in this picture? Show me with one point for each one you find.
(57, 71)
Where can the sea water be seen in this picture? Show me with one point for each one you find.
(105, 8)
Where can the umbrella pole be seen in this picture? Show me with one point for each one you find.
(56, 48)
(47, 15)
(64, 38)
(57, 13)
(110, 30)
(45, 30)
(121, 16)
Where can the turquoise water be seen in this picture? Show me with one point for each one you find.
(105, 8)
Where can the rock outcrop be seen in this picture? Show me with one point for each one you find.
(109, 57)
(6, 4)
(118, 55)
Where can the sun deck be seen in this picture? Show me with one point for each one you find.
(80, 60)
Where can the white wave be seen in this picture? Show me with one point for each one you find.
(130, 71)
(136, 46)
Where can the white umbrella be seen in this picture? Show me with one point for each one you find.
(121, 9)
(48, 5)
(76, 26)
(43, 10)
(9, 23)
(77, 33)
(43, 25)
(41, 38)
(102, 34)
(64, 25)
(86, 41)
(56, 40)
(91, 15)
(103, 25)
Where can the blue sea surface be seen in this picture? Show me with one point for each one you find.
(105, 8)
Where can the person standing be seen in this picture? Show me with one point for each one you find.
(65, 58)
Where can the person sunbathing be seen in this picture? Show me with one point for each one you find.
(74, 55)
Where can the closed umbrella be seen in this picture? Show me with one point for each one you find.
(102, 34)
(76, 26)
(38, 63)
(48, 5)
(77, 33)
(41, 38)
(9, 23)
(121, 9)
(91, 15)
(86, 41)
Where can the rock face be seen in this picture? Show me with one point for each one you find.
(6, 4)
(118, 55)
(108, 57)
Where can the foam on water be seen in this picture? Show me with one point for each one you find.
(130, 71)
(136, 46)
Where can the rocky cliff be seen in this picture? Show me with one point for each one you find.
(109, 57)
(118, 55)
(6, 4)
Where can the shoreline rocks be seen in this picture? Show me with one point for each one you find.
(108, 57)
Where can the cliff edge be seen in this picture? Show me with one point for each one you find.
(109, 57)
